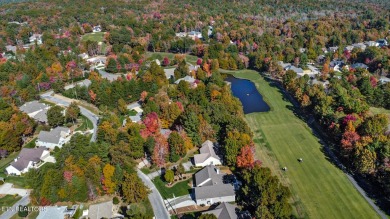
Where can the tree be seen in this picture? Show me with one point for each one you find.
(246, 158)
(151, 123)
(108, 173)
(122, 106)
(55, 116)
(208, 216)
(72, 112)
(111, 66)
(176, 146)
(133, 190)
(160, 151)
(22, 211)
(169, 176)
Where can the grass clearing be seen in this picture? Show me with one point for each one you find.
(98, 37)
(160, 55)
(31, 144)
(8, 201)
(85, 125)
(320, 189)
(179, 189)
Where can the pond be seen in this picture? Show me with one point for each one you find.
(246, 91)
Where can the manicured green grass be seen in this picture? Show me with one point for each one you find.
(18, 181)
(86, 124)
(160, 55)
(320, 189)
(179, 189)
(98, 37)
(375, 111)
(8, 201)
(31, 144)
(145, 208)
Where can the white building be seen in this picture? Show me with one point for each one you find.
(136, 106)
(29, 158)
(55, 137)
(60, 212)
(207, 155)
(96, 29)
(36, 38)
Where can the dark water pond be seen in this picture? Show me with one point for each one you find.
(246, 91)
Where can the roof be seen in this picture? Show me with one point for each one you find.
(206, 151)
(133, 105)
(187, 78)
(214, 191)
(295, 69)
(33, 106)
(224, 211)
(53, 136)
(359, 65)
(208, 174)
(57, 212)
(170, 72)
(101, 210)
(41, 116)
(25, 156)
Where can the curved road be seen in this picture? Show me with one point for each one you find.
(66, 102)
(160, 212)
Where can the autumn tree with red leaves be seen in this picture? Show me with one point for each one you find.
(246, 158)
(160, 151)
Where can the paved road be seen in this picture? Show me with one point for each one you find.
(315, 127)
(13, 210)
(154, 174)
(160, 212)
(66, 102)
(108, 76)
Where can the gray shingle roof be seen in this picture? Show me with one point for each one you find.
(101, 210)
(41, 116)
(53, 136)
(214, 191)
(208, 174)
(224, 211)
(169, 72)
(133, 105)
(25, 156)
(32, 106)
(206, 151)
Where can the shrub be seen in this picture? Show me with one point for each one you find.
(115, 200)
(22, 211)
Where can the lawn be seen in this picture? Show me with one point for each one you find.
(98, 37)
(160, 55)
(31, 144)
(375, 111)
(85, 125)
(320, 189)
(179, 189)
(8, 201)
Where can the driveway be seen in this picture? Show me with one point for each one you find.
(7, 189)
(109, 76)
(59, 100)
(179, 202)
(154, 174)
(160, 212)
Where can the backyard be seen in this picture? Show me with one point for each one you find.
(161, 55)
(98, 37)
(320, 189)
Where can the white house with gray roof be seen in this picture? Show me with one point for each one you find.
(207, 155)
(136, 106)
(29, 158)
(36, 110)
(55, 137)
(224, 211)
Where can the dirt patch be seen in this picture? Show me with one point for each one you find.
(192, 208)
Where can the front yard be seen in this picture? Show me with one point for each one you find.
(179, 189)
(8, 201)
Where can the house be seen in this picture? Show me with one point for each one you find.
(97, 62)
(208, 176)
(359, 65)
(348, 48)
(224, 211)
(36, 38)
(11, 48)
(333, 49)
(157, 62)
(321, 59)
(83, 55)
(55, 137)
(102, 210)
(382, 42)
(187, 78)
(195, 35)
(361, 46)
(59, 212)
(169, 73)
(96, 29)
(29, 158)
(325, 84)
(35, 110)
(371, 43)
(302, 50)
(181, 34)
(210, 31)
(207, 155)
(384, 80)
(136, 106)
(208, 195)
(336, 65)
